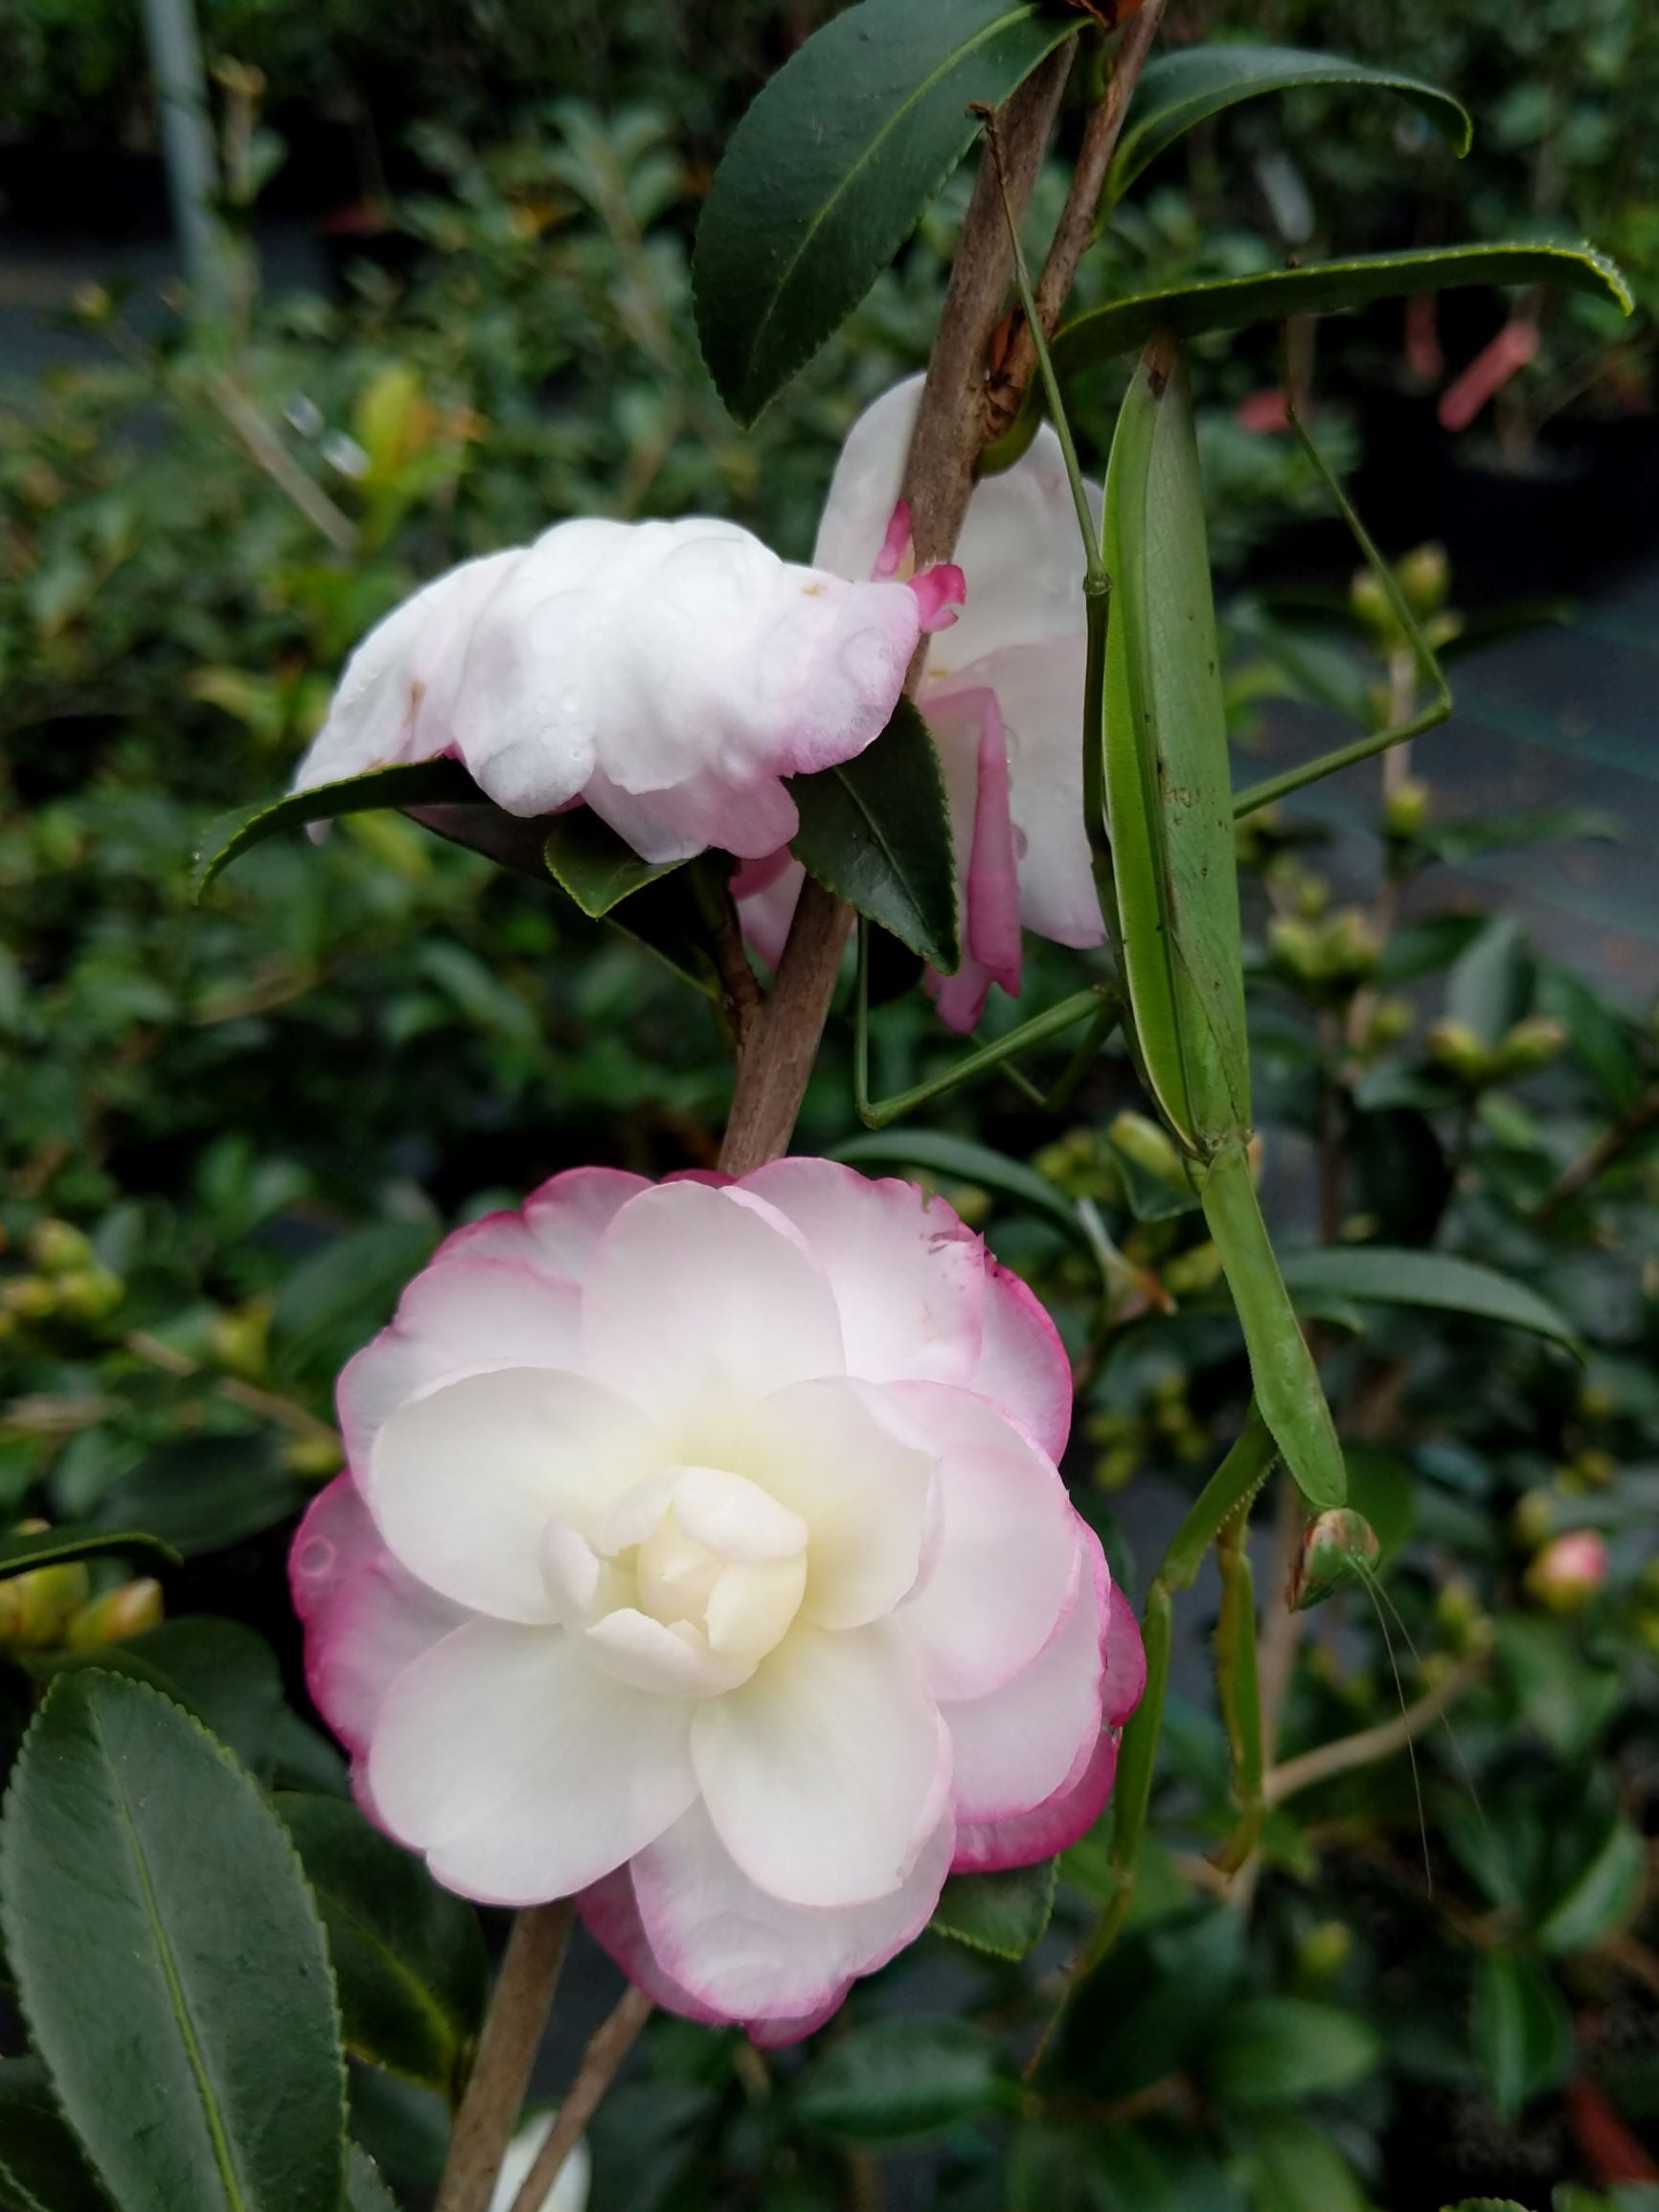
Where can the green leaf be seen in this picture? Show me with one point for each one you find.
(1601, 1896)
(202, 1493)
(408, 1956)
(832, 166)
(332, 1303)
(900, 2078)
(414, 784)
(1324, 288)
(75, 1541)
(1280, 2050)
(1152, 2007)
(1179, 90)
(1523, 2033)
(42, 2168)
(1293, 2166)
(949, 1159)
(876, 831)
(169, 1960)
(1491, 980)
(591, 864)
(218, 1671)
(1376, 1274)
(1484, 2204)
(365, 2191)
(1007, 1913)
(1557, 1691)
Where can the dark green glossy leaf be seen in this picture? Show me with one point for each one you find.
(1179, 90)
(1324, 288)
(203, 1494)
(75, 1541)
(1523, 2033)
(217, 1670)
(1153, 2006)
(1491, 980)
(949, 1159)
(42, 2168)
(876, 831)
(832, 167)
(591, 864)
(1600, 1897)
(900, 2078)
(409, 1958)
(1280, 2050)
(332, 1303)
(152, 1903)
(1381, 1275)
(1557, 1691)
(1007, 1913)
(1294, 2166)
(414, 784)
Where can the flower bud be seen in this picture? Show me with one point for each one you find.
(1193, 1271)
(1568, 1571)
(35, 1608)
(57, 1247)
(1454, 1046)
(1336, 1547)
(1324, 1950)
(1425, 580)
(1530, 1044)
(90, 1294)
(28, 1297)
(1405, 809)
(1459, 1614)
(313, 1456)
(1151, 1148)
(237, 1340)
(127, 1612)
(1535, 1517)
(1391, 1020)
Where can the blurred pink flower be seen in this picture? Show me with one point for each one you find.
(666, 673)
(703, 1555)
(1004, 700)
(1570, 1569)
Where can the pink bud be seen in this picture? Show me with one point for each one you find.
(1570, 1569)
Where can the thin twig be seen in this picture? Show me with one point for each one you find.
(1612, 1144)
(1371, 1745)
(608, 2045)
(1078, 219)
(782, 1044)
(512, 2032)
(267, 453)
(270, 1405)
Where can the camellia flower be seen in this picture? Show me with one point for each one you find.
(667, 674)
(703, 1555)
(1004, 701)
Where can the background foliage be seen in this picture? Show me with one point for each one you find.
(229, 1135)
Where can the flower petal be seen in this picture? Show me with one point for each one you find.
(558, 1226)
(861, 1484)
(1023, 1368)
(523, 1770)
(1055, 1825)
(743, 1954)
(463, 1480)
(767, 909)
(826, 1772)
(751, 819)
(906, 1272)
(973, 744)
(366, 1618)
(698, 1301)
(1022, 1742)
(461, 1316)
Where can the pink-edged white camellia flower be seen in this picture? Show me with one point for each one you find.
(666, 673)
(1003, 697)
(703, 1556)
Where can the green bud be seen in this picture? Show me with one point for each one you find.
(1193, 1271)
(36, 1608)
(28, 1297)
(1370, 602)
(1147, 1145)
(1405, 809)
(1454, 1046)
(1535, 1517)
(1324, 1950)
(127, 1612)
(1425, 580)
(238, 1339)
(1336, 1546)
(1532, 1043)
(1459, 1613)
(58, 1247)
(1391, 1020)
(312, 1457)
(90, 1294)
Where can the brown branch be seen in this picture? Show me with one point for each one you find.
(269, 1404)
(780, 1046)
(608, 2045)
(1632, 1123)
(1077, 224)
(1371, 1745)
(267, 453)
(512, 2031)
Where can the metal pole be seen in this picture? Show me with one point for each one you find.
(187, 146)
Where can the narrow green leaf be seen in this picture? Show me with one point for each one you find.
(876, 831)
(832, 166)
(896, 2079)
(1293, 2166)
(591, 864)
(1374, 1274)
(152, 1904)
(202, 1493)
(959, 1160)
(1324, 289)
(75, 1541)
(408, 1956)
(1491, 980)
(1179, 90)
(414, 784)
(1007, 1913)
(1523, 2034)
(1601, 1896)
(1280, 2050)
(1281, 1369)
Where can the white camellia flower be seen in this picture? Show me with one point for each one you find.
(667, 674)
(703, 1555)
(1003, 697)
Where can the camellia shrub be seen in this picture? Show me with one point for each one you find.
(691, 1561)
